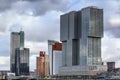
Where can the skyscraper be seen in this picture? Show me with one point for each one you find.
(81, 33)
(17, 41)
(22, 61)
(19, 56)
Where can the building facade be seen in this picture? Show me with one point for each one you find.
(22, 61)
(42, 65)
(17, 41)
(111, 66)
(50, 43)
(81, 33)
(19, 56)
(47, 65)
(55, 54)
(3, 74)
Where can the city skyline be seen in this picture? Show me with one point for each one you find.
(41, 23)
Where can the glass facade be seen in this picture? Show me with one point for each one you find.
(15, 43)
(22, 61)
(21, 39)
(19, 56)
(81, 33)
(92, 32)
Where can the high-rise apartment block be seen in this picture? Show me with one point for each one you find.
(42, 64)
(81, 33)
(19, 56)
(55, 54)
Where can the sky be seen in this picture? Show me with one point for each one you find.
(40, 20)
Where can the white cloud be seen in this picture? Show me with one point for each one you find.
(110, 48)
(36, 47)
(40, 28)
(4, 63)
(115, 20)
(33, 62)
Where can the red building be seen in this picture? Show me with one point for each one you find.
(56, 57)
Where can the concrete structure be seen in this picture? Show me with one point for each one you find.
(42, 65)
(111, 66)
(55, 54)
(22, 61)
(81, 33)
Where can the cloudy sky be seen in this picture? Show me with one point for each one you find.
(40, 19)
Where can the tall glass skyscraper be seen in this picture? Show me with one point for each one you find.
(81, 33)
(15, 43)
(22, 61)
(18, 52)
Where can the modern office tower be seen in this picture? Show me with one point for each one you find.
(81, 33)
(55, 54)
(42, 65)
(17, 41)
(22, 61)
(111, 66)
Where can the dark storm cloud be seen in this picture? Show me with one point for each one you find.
(30, 0)
(6, 4)
(36, 7)
(40, 7)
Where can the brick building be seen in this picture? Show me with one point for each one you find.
(42, 65)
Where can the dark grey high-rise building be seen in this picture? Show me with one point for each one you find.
(81, 33)
(17, 43)
(22, 61)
